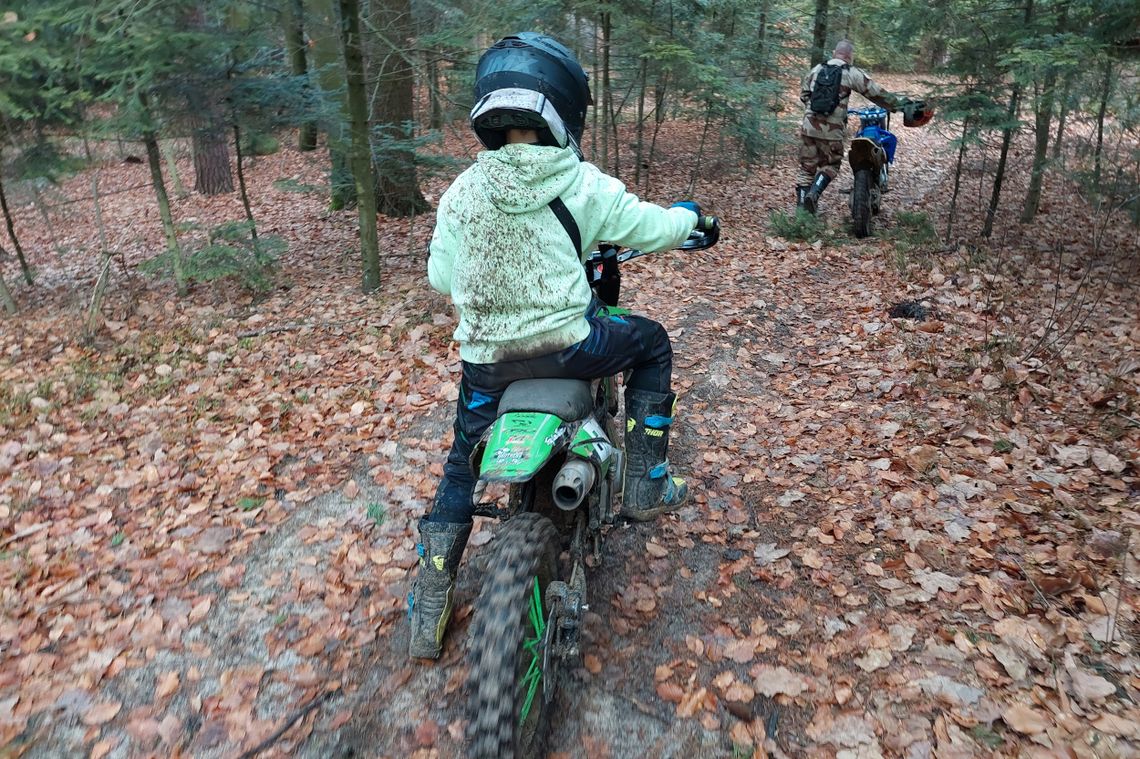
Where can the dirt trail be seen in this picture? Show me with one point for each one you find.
(616, 712)
(815, 591)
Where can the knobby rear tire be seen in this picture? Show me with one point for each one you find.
(525, 549)
(861, 203)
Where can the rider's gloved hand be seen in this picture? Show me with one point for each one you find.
(689, 204)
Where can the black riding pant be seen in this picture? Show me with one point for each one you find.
(615, 344)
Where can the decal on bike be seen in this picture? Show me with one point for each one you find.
(591, 442)
(518, 444)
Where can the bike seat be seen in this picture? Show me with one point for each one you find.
(568, 399)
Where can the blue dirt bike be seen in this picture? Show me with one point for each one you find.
(871, 155)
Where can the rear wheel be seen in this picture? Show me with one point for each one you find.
(513, 677)
(861, 203)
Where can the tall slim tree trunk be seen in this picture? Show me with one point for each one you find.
(241, 184)
(819, 32)
(1105, 91)
(154, 160)
(10, 224)
(1041, 124)
(299, 63)
(957, 178)
(604, 105)
(1066, 98)
(398, 189)
(638, 151)
(361, 151)
(1003, 155)
(6, 299)
(1006, 138)
(761, 63)
(325, 33)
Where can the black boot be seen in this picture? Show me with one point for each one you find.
(650, 487)
(429, 603)
(801, 191)
(811, 198)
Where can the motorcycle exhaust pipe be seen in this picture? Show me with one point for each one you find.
(572, 483)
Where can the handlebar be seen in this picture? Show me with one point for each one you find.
(705, 235)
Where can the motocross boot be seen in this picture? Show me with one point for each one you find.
(801, 191)
(429, 604)
(811, 198)
(650, 487)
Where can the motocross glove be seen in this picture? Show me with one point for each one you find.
(689, 204)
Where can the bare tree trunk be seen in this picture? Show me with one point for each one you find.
(1006, 138)
(241, 184)
(172, 169)
(638, 153)
(604, 105)
(999, 172)
(10, 224)
(957, 178)
(762, 38)
(1106, 90)
(327, 61)
(398, 189)
(1041, 124)
(154, 160)
(299, 63)
(819, 33)
(6, 299)
(361, 153)
(1066, 97)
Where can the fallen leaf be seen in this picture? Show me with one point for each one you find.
(811, 558)
(669, 691)
(741, 651)
(739, 692)
(655, 550)
(875, 658)
(593, 664)
(167, 684)
(775, 680)
(1025, 719)
(102, 713)
(766, 553)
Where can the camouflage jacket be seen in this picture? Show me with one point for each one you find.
(854, 79)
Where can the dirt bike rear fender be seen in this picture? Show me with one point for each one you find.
(866, 154)
(518, 445)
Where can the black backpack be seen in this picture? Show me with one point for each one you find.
(825, 93)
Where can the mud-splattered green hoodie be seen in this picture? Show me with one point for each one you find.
(509, 265)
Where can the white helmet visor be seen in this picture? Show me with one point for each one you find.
(519, 99)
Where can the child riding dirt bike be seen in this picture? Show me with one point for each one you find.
(509, 243)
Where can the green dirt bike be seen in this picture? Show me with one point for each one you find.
(556, 446)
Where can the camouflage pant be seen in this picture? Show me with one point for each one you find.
(819, 156)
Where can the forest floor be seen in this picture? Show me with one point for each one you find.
(907, 538)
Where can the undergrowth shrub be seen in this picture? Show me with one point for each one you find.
(799, 225)
(230, 253)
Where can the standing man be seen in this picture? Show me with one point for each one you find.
(825, 91)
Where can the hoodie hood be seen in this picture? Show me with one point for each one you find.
(519, 178)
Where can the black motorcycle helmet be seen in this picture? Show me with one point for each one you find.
(530, 81)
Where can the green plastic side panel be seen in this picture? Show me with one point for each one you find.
(590, 442)
(518, 445)
(613, 311)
